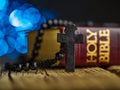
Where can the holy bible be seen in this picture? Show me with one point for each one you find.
(100, 47)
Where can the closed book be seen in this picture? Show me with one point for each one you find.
(100, 47)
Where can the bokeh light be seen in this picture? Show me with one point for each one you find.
(17, 18)
(25, 18)
(3, 4)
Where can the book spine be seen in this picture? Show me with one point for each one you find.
(100, 47)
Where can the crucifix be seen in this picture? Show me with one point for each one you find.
(70, 39)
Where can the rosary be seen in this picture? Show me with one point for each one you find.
(31, 64)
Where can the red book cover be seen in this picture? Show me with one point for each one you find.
(100, 47)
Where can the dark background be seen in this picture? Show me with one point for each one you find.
(99, 11)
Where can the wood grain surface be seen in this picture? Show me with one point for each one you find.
(90, 78)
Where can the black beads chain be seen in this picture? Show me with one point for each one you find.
(31, 64)
(50, 23)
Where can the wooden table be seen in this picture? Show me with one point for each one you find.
(90, 78)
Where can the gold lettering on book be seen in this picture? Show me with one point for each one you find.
(95, 45)
(91, 46)
(104, 43)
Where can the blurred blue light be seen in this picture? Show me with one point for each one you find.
(32, 14)
(13, 55)
(1, 36)
(11, 44)
(25, 18)
(4, 48)
(17, 21)
(48, 14)
(3, 8)
(21, 45)
(3, 4)
(43, 20)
